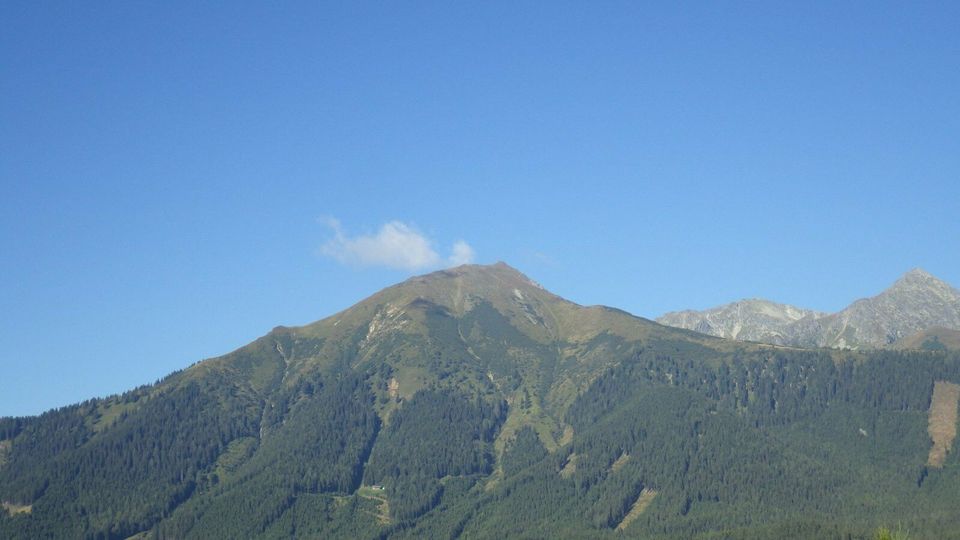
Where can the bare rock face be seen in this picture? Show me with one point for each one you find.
(916, 302)
(746, 320)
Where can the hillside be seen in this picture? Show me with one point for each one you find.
(473, 403)
(916, 302)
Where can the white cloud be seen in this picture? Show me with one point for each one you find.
(396, 245)
(462, 254)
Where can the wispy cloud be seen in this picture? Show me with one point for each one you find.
(396, 245)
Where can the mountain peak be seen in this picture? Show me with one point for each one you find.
(919, 275)
(495, 290)
(919, 280)
(918, 272)
(475, 274)
(498, 267)
(459, 289)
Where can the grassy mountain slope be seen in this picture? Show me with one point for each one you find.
(931, 339)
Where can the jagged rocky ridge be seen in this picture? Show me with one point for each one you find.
(916, 302)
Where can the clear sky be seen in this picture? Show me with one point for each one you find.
(177, 178)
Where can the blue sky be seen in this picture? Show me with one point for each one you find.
(179, 178)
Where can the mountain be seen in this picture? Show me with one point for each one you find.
(747, 320)
(473, 403)
(916, 302)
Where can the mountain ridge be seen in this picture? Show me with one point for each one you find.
(917, 300)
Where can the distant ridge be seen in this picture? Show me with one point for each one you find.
(916, 302)
(751, 319)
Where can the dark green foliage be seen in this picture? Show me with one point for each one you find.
(435, 434)
(524, 451)
(319, 448)
(126, 479)
(757, 446)
(933, 343)
(324, 439)
(324, 516)
(10, 427)
(39, 442)
(494, 340)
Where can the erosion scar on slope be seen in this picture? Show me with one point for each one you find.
(943, 421)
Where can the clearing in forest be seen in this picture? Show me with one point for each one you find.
(620, 462)
(569, 467)
(943, 421)
(14, 509)
(643, 501)
(377, 494)
(567, 436)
